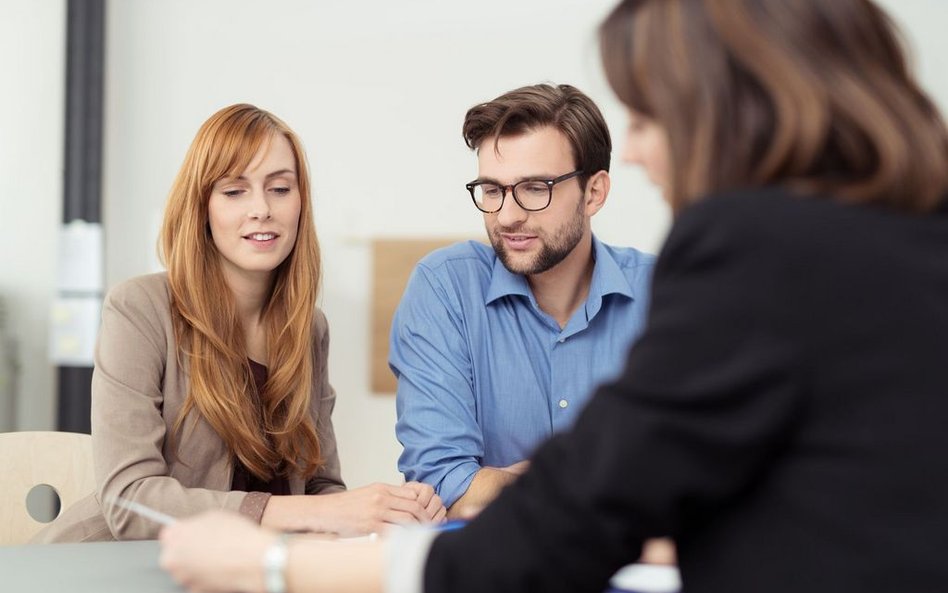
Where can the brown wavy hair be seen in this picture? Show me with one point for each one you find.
(563, 107)
(813, 94)
(281, 438)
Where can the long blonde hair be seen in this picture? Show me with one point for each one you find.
(813, 94)
(207, 329)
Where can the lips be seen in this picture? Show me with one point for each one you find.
(261, 236)
(517, 241)
(264, 241)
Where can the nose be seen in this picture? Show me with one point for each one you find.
(510, 213)
(259, 206)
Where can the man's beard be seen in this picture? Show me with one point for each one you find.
(554, 248)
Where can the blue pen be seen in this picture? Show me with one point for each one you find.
(452, 525)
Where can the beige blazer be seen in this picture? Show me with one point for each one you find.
(138, 389)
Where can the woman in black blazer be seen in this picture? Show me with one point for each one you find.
(783, 417)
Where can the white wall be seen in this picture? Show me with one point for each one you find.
(32, 46)
(376, 89)
(922, 24)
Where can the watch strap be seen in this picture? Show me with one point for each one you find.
(274, 565)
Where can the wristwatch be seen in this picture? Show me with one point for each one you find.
(274, 565)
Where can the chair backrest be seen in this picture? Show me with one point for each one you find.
(62, 460)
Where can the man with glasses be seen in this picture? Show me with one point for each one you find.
(495, 349)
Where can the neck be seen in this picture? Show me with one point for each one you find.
(250, 296)
(560, 290)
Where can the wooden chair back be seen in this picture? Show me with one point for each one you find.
(62, 460)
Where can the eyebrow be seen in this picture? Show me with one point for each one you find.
(538, 177)
(270, 175)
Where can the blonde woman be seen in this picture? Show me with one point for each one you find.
(210, 388)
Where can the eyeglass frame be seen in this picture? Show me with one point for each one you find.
(513, 192)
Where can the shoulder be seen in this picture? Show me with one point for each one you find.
(461, 270)
(135, 309)
(769, 243)
(773, 212)
(142, 293)
(467, 254)
(742, 238)
(320, 326)
(762, 225)
(629, 258)
(320, 340)
(450, 279)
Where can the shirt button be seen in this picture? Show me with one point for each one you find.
(563, 403)
(561, 340)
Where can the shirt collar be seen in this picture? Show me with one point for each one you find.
(607, 278)
(503, 283)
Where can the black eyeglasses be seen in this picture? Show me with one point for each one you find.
(530, 194)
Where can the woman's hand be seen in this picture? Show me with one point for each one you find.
(355, 512)
(427, 498)
(216, 552)
(370, 508)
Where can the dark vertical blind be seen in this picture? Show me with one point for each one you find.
(82, 184)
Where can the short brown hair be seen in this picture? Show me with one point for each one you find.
(814, 94)
(563, 107)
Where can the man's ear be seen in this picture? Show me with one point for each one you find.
(597, 190)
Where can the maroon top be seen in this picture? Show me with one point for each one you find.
(245, 481)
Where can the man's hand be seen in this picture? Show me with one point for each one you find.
(659, 551)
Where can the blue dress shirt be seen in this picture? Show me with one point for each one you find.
(484, 375)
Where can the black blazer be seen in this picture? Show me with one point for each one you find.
(784, 417)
